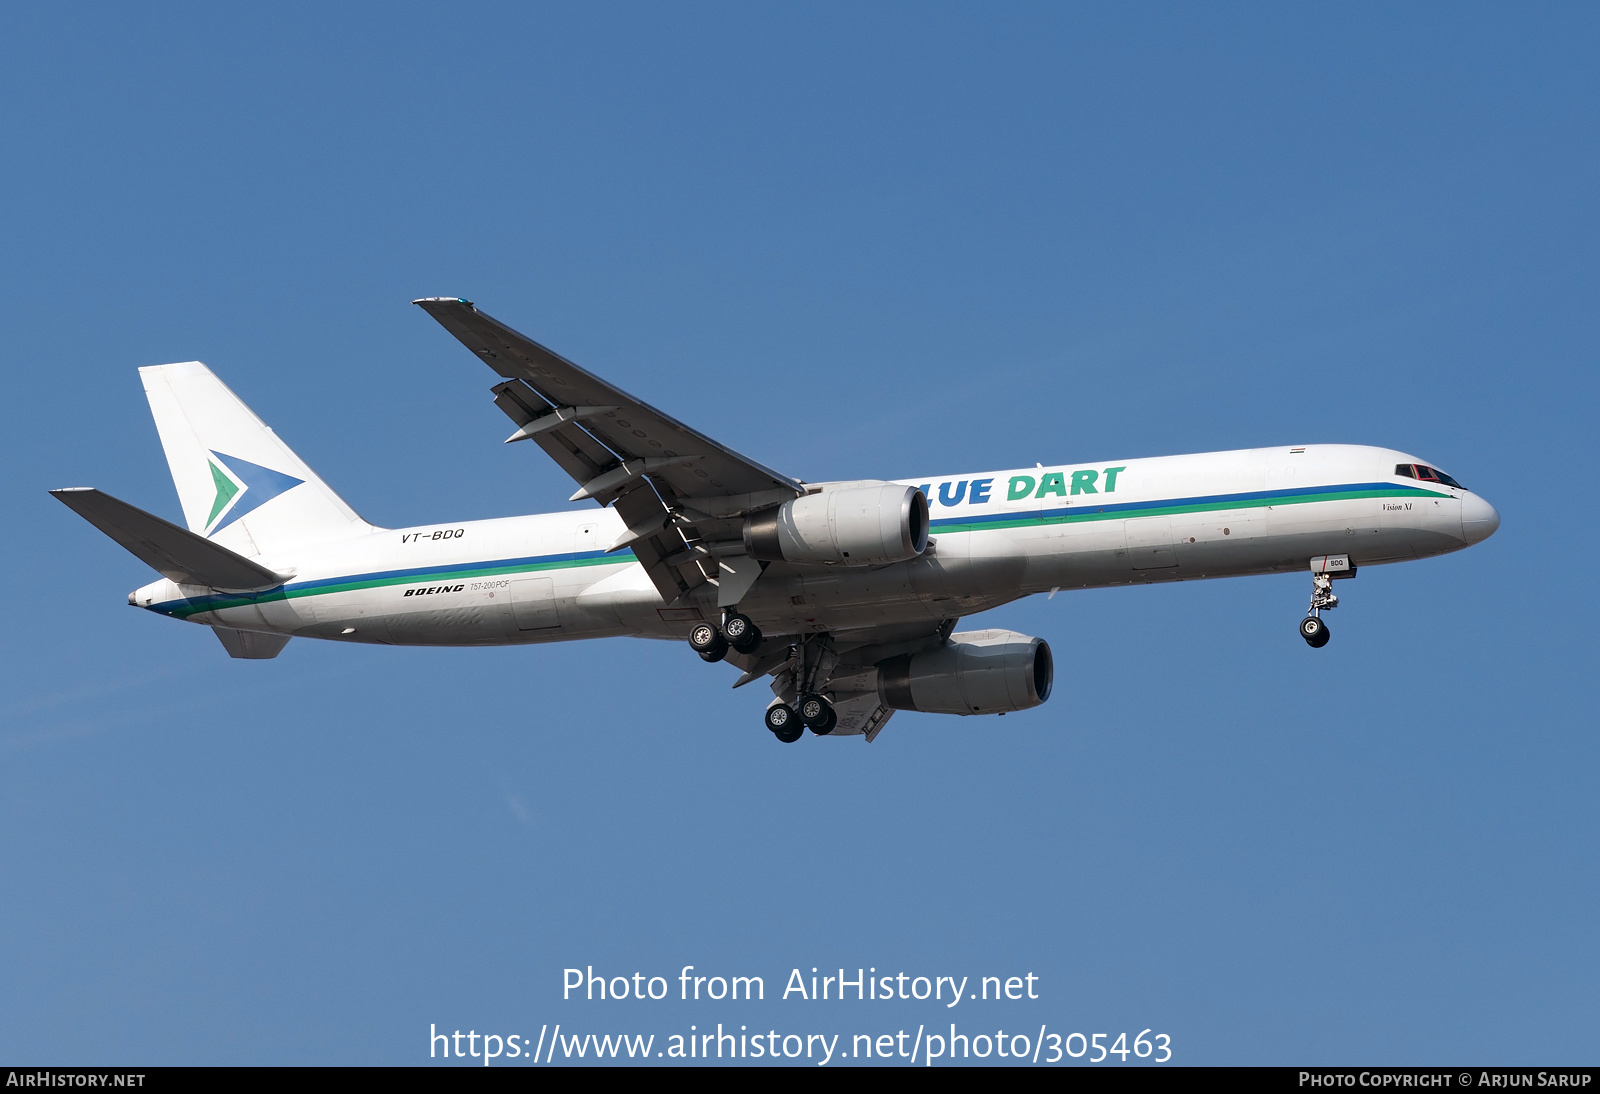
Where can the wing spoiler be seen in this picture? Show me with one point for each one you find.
(175, 553)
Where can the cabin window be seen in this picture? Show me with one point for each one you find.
(1424, 473)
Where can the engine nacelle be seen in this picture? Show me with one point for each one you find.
(852, 526)
(976, 672)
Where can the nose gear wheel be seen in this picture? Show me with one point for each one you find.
(1312, 628)
(1314, 631)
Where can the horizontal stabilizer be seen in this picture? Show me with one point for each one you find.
(251, 645)
(176, 553)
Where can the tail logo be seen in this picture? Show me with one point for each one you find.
(242, 487)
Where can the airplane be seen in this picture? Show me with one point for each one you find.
(845, 594)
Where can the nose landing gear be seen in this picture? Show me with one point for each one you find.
(1314, 631)
(1312, 628)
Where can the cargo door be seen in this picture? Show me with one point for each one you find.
(533, 603)
(1149, 543)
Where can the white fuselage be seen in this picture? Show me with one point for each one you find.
(996, 536)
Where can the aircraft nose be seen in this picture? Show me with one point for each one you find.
(1478, 519)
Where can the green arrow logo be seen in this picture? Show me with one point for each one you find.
(226, 489)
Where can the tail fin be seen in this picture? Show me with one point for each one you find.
(239, 484)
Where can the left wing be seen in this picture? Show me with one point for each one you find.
(679, 492)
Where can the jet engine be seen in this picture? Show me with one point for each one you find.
(975, 672)
(859, 525)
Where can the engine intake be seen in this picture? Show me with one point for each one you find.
(852, 525)
(976, 672)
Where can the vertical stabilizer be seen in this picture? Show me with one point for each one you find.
(240, 485)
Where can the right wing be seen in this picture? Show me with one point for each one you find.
(678, 491)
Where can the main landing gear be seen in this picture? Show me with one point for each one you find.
(800, 704)
(1314, 631)
(785, 723)
(708, 642)
(811, 710)
(789, 723)
(1312, 628)
(742, 634)
(737, 632)
(818, 714)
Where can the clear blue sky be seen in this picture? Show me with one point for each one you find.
(848, 240)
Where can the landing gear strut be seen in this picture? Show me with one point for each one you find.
(1312, 628)
(800, 704)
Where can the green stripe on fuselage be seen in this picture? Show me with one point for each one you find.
(1163, 509)
(462, 573)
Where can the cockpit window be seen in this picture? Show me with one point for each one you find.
(1424, 473)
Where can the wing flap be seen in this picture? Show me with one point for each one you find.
(640, 507)
(573, 450)
(861, 714)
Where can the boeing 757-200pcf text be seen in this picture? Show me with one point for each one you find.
(845, 594)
